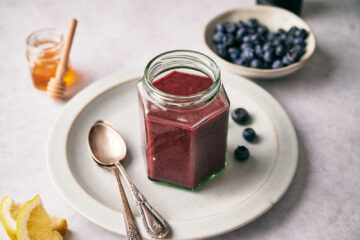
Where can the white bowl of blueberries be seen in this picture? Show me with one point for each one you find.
(260, 41)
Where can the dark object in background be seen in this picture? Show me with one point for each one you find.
(291, 5)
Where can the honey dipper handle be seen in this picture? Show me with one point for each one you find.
(62, 66)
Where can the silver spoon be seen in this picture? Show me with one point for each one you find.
(107, 149)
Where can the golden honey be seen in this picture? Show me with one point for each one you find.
(44, 48)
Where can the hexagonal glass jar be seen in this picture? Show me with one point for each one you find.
(184, 118)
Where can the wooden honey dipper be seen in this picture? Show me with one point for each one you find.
(56, 85)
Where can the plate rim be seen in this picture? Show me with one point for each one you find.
(69, 115)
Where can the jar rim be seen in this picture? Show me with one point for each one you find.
(179, 100)
(32, 39)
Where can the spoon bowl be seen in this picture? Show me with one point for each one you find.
(107, 147)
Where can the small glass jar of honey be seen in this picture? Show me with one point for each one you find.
(43, 53)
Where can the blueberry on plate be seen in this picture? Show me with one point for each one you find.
(277, 64)
(294, 54)
(220, 27)
(249, 134)
(240, 115)
(255, 63)
(241, 153)
(218, 37)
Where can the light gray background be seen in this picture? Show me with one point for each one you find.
(322, 99)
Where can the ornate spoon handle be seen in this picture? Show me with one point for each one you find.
(154, 224)
(132, 232)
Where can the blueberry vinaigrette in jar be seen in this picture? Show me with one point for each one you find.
(184, 110)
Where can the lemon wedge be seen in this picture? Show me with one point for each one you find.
(33, 222)
(9, 211)
(58, 224)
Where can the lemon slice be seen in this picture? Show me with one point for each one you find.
(33, 222)
(9, 211)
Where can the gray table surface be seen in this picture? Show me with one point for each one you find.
(322, 99)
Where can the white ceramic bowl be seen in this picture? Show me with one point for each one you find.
(272, 17)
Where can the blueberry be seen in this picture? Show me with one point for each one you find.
(281, 31)
(246, 38)
(280, 51)
(277, 64)
(268, 56)
(241, 153)
(294, 54)
(240, 115)
(220, 27)
(228, 40)
(252, 22)
(304, 33)
(301, 33)
(242, 62)
(220, 46)
(222, 52)
(246, 45)
(247, 54)
(262, 30)
(218, 37)
(240, 24)
(233, 53)
(292, 30)
(249, 134)
(282, 36)
(258, 51)
(270, 36)
(267, 46)
(298, 41)
(230, 27)
(240, 34)
(254, 38)
(285, 61)
(277, 41)
(255, 63)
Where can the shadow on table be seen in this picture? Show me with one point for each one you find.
(313, 9)
(80, 83)
(280, 212)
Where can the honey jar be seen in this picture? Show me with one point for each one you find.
(43, 53)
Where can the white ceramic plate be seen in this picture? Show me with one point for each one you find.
(272, 17)
(243, 192)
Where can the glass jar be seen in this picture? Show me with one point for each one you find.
(184, 110)
(43, 53)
